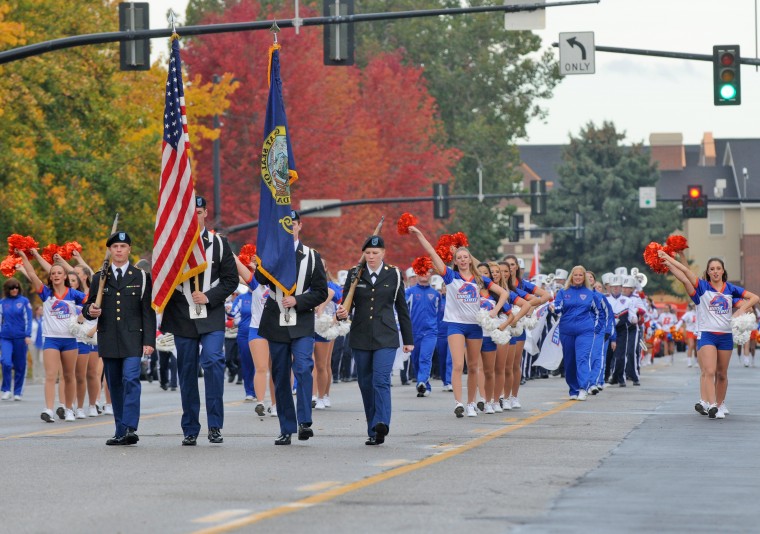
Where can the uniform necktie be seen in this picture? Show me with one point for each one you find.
(118, 276)
(373, 278)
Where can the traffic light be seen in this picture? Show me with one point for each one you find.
(727, 90)
(338, 38)
(441, 201)
(694, 203)
(537, 197)
(134, 55)
(514, 228)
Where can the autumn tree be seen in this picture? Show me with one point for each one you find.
(357, 133)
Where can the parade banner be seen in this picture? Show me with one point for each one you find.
(551, 353)
(274, 242)
(178, 252)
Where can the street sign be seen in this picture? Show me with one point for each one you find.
(647, 197)
(525, 20)
(314, 203)
(576, 53)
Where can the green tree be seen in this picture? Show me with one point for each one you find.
(600, 179)
(488, 84)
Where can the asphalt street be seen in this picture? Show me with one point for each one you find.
(628, 459)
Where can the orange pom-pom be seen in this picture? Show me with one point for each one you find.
(405, 221)
(460, 240)
(49, 251)
(443, 248)
(422, 265)
(19, 242)
(676, 243)
(8, 265)
(67, 249)
(652, 259)
(247, 252)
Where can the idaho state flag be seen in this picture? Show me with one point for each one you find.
(274, 243)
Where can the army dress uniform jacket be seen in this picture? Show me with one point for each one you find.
(224, 281)
(373, 325)
(313, 294)
(127, 322)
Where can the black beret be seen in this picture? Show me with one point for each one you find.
(119, 237)
(374, 241)
(200, 202)
(294, 215)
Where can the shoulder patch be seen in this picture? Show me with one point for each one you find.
(388, 266)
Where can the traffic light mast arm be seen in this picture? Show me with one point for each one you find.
(113, 37)
(664, 53)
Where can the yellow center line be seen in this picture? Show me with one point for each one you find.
(66, 430)
(333, 493)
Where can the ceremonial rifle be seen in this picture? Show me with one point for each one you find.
(348, 300)
(106, 264)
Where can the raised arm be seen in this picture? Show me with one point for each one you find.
(438, 263)
(42, 261)
(29, 272)
(80, 260)
(682, 273)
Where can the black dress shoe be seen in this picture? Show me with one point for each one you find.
(371, 441)
(637, 383)
(190, 441)
(381, 430)
(215, 435)
(130, 437)
(305, 432)
(231, 378)
(117, 440)
(164, 387)
(284, 439)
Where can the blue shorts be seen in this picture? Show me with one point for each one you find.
(488, 345)
(516, 339)
(320, 339)
(84, 349)
(253, 333)
(469, 331)
(60, 343)
(719, 341)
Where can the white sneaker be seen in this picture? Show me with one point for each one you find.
(471, 410)
(93, 411)
(573, 397)
(723, 408)
(447, 387)
(689, 362)
(505, 404)
(259, 409)
(80, 414)
(319, 404)
(47, 416)
(582, 395)
(326, 401)
(272, 410)
(6, 395)
(68, 415)
(108, 409)
(746, 361)
(515, 403)
(17, 398)
(489, 409)
(721, 413)
(497, 407)
(249, 398)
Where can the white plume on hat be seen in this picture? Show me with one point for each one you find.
(560, 274)
(622, 271)
(342, 276)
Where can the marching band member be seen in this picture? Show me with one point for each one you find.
(374, 337)
(463, 284)
(713, 297)
(626, 318)
(633, 352)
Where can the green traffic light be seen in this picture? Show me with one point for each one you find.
(727, 91)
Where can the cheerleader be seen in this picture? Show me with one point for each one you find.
(241, 318)
(323, 347)
(60, 346)
(536, 296)
(15, 336)
(713, 298)
(463, 284)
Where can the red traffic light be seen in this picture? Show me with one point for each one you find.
(695, 191)
(727, 59)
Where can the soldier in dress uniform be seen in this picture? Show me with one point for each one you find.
(291, 344)
(195, 315)
(126, 331)
(374, 335)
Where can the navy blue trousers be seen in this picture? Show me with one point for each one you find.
(211, 360)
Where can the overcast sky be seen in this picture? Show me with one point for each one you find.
(639, 94)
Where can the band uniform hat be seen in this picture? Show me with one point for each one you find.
(119, 237)
(436, 281)
(410, 273)
(629, 281)
(606, 278)
(200, 202)
(616, 280)
(294, 215)
(374, 241)
(560, 274)
(622, 271)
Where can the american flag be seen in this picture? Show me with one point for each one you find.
(178, 252)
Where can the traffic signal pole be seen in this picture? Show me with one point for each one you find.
(663, 53)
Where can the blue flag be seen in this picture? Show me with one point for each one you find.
(274, 244)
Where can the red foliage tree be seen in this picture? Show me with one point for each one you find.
(356, 133)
